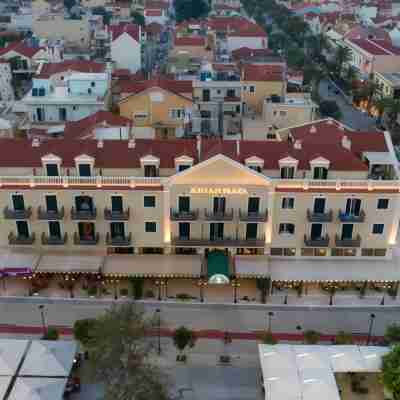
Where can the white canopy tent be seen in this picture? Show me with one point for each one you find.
(372, 356)
(4, 384)
(312, 358)
(346, 358)
(38, 388)
(11, 352)
(49, 358)
(318, 381)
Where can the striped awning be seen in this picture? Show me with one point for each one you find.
(55, 263)
(251, 267)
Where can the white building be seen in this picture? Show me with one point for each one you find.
(6, 89)
(251, 36)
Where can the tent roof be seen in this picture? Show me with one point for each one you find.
(11, 352)
(49, 358)
(346, 358)
(311, 357)
(38, 389)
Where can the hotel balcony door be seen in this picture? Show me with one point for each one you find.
(184, 204)
(316, 231)
(347, 231)
(116, 204)
(51, 203)
(22, 229)
(353, 207)
(117, 230)
(216, 231)
(253, 205)
(219, 204)
(184, 230)
(86, 231)
(319, 205)
(251, 231)
(54, 229)
(18, 202)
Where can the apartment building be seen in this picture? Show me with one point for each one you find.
(388, 84)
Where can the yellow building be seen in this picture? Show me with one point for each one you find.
(260, 81)
(159, 107)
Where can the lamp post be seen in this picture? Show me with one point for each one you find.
(158, 311)
(202, 284)
(236, 286)
(371, 324)
(159, 283)
(270, 314)
(299, 329)
(41, 308)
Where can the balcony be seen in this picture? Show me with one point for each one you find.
(20, 240)
(225, 242)
(316, 242)
(17, 214)
(112, 215)
(319, 217)
(218, 215)
(251, 216)
(86, 242)
(84, 215)
(177, 215)
(54, 240)
(355, 242)
(345, 217)
(44, 214)
(119, 240)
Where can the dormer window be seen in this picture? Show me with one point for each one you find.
(52, 170)
(183, 162)
(287, 172)
(319, 167)
(51, 164)
(84, 165)
(288, 167)
(150, 166)
(255, 163)
(84, 170)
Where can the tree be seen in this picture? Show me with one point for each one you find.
(120, 355)
(329, 108)
(342, 56)
(268, 338)
(311, 337)
(392, 334)
(393, 111)
(187, 9)
(390, 371)
(350, 76)
(51, 334)
(344, 338)
(104, 13)
(183, 337)
(137, 18)
(83, 329)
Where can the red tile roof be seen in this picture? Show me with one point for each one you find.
(227, 23)
(156, 5)
(263, 72)
(377, 47)
(20, 48)
(189, 41)
(83, 128)
(243, 53)
(132, 30)
(152, 13)
(71, 65)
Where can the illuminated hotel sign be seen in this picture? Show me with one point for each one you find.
(208, 190)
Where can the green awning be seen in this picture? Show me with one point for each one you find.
(217, 268)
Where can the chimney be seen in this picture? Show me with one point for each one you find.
(346, 142)
(131, 143)
(198, 146)
(100, 144)
(297, 144)
(35, 142)
(238, 148)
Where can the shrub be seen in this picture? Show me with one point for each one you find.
(183, 337)
(51, 334)
(392, 334)
(92, 290)
(268, 338)
(311, 337)
(343, 337)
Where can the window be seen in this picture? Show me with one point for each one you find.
(255, 168)
(230, 93)
(287, 172)
(353, 207)
(184, 204)
(288, 203)
(253, 205)
(184, 230)
(251, 231)
(22, 229)
(320, 173)
(150, 227)
(84, 203)
(140, 115)
(252, 89)
(271, 136)
(377, 229)
(182, 167)
(286, 229)
(117, 230)
(52, 170)
(383, 204)
(117, 204)
(150, 171)
(18, 202)
(373, 252)
(51, 203)
(93, 84)
(177, 113)
(84, 170)
(54, 229)
(89, 91)
(149, 201)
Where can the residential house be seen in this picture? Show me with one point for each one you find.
(247, 54)
(193, 46)
(153, 31)
(159, 108)
(250, 35)
(260, 81)
(388, 84)
(126, 46)
(156, 11)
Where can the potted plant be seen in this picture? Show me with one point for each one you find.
(183, 338)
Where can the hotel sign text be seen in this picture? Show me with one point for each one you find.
(208, 190)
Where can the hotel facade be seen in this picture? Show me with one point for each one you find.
(318, 191)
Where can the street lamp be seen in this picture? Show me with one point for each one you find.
(202, 284)
(159, 284)
(299, 329)
(371, 324)
(269, 316)
(158, 311)
(235, 285)
(41, 308)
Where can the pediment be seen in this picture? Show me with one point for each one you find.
(150, 159)
(184, 160)
(51, 158)
(84, 158)
(254, 160)
(220, 170)
(319, 161)
(288, 160)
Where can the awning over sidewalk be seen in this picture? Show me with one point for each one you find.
(4, 384)
(149, 265)
(251, 266)
(335, 270)
(38, 388)
(11, 353)
(18, 264)
(59, 263)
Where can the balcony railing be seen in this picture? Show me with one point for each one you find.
(50, 214)
(246, 216)
(118, 240)
(17, 214)
(177, 215)
(218, 215)
(319, 217)
(224, 242)
(345, 217)
(20, 240)
(112, 215)
(316, 242)
(54, 240)
(83, 214)
(355, 242)
(86, 241)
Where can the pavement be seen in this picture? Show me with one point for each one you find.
(350, 115)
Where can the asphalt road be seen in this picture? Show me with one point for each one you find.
(234, 318)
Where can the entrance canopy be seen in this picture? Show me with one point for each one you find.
(59, 263)
(251, 267)
(18, 263)
(38, 388)
(149, 265)
(217, 267)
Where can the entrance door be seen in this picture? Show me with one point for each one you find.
(51, 203)
(40, 114)
(22, 229)
(18, 202)
(319, 205)
(54, 229)
(184, 204)
(116, 203)
(251, 231)
(216, 231)
(353, 207)
(184, 230)
(219, 205)
(62, 114)
(347, 231)
(316, 231)
(253, 205)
